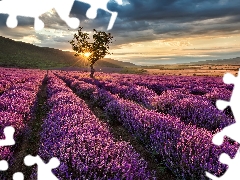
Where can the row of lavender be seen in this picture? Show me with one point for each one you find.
(191, 109)
(17, 104)
(211, 88)
(196, 85)
(83, 144)
(185, 149)
(9, 77)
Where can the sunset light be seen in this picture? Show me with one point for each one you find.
(87, 54)
(202, 31)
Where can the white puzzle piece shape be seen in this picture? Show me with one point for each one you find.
(35, 8)
(18, 176)
(232, 172)
(44, 170)
(3, 165)
(232, 131)
(8, 132)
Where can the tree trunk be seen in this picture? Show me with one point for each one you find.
(92, 71)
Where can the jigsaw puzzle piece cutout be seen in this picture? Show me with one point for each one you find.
(100, 4)
(12, 21)
(232, 131)
(18, 176)
(44, 170)
(221, 104)
(235, 98)
(38, 24)
(63, 9)
(3, 165)
(26, 8)
(9, 140)
(232, 172)
(34, 9)
(229, 78)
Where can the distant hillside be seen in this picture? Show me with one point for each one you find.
(232, 61)
(116, 62)
(25, 55)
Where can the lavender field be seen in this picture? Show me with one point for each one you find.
(74, 118)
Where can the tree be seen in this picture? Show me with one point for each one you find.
(93, 51)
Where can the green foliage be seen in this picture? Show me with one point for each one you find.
(23, 55)
(97, 49)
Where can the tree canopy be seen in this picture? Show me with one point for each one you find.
(93, 51)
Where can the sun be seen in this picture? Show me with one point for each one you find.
(87, 54)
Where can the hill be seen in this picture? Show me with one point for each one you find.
(116, 62)
(232, 61)
(24, 55)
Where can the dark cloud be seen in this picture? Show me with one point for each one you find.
(139, 21)
(3, 18)
(161, 16)
(22, 21)
(177, 10)
(178, 17)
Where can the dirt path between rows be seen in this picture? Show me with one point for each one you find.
(29, 142)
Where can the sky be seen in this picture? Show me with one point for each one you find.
(146, 32)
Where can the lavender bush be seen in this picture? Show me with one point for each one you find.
(83, 144)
